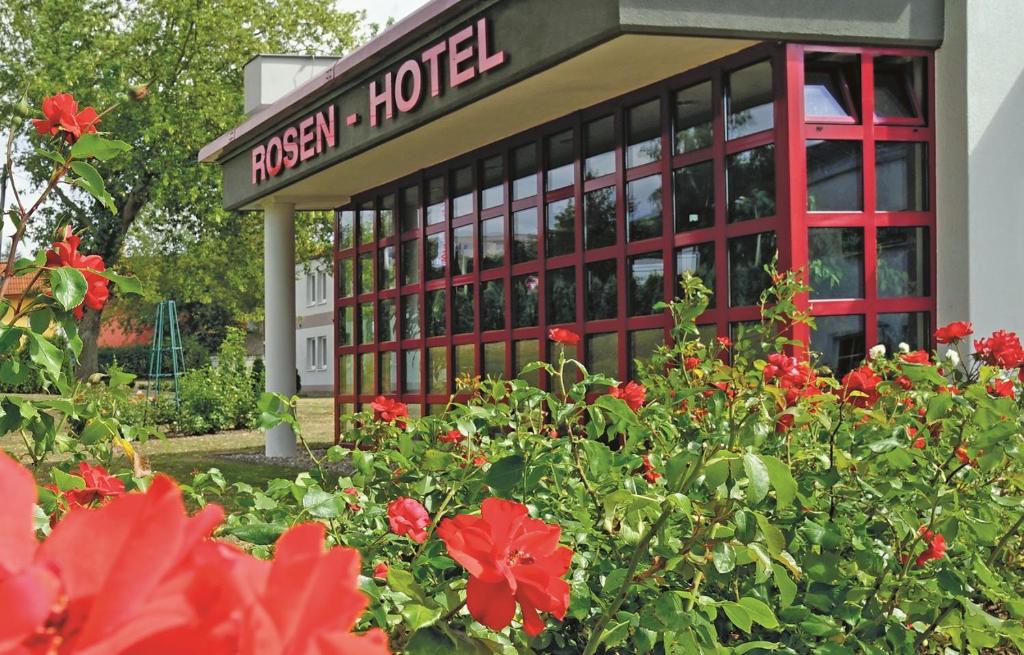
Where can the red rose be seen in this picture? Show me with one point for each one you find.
(650, 474)
(935, 546)
(65, 253)
(1002, 349)
(389, 410)
(380, 571)
(963, 456)
(691, 363)
(563, 336)
(99, 485)
(408, 517)
(479, 461)
(62, 115)
(1002, 388)
(510, 559)
(953, 332)
(916, 357)
(724, 342)
(632, 393)
(452, 436)
(861, 380)
(904, 383)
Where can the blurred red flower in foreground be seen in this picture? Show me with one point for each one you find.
(62, 115)
(138, 575)
(510, 559)
(632, 393)
(65, 253)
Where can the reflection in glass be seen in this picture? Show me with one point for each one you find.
(366, 273)
(524, 172)
(465, 360)
(747, 258)
(367, 217)
(411, 316)
(749, 100)
(346, 326)
(411, 261)
(642, 344)
(388, 372)
(462, 309)
(840, 340)
(436, 256)
(386, 273)
(366, 317)
(525, 352)
(560, 232)
(492, 243)
(692, 120)
(599, 148)
(643, 208)
(694, 196)
(346, 375)
(387, 325)
(492, 182)
(462, 191)
(911, 328)
(602, 292)
(408, 211)
(524, 235)
(750, 180)
(386, 217)
(831, 85)
(646, 283)
(901, 176)
(435, 313)
(599, 218)
(834, 176)
(494, 359)
(836, 257)
(643, 133)
(699, 260)
(367, 374)
(435, 201)
(437, 370)
(412, 374)
(525, 296)
(603, 354)
(899, 87)
(560, 160)
(561, 295)
(346, 282)
(346, 229)
(462, 250)
(492, 305)
(902, 263)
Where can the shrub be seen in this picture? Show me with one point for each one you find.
(135, 359)
(221, 397)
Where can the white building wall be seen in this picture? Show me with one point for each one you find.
(980, 165)
(314, 327)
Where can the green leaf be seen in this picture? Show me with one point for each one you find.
(757, 474)
(615, 633)
(773, 537)
(321, 504)
(40, 319)
(782, 480)
(724, 557)
(599, 457)
(738, 615)
(65, 481)
(96, 431)
(90, 180)
(419, 616)
(261, 534)
(44, 354)
(119, 377)
(786, 586)
(13, 372)
(429, 641)
(404, 582)
(94, 145)
(124, 283)
(69, 286)
(55, 157)
(506, 473)
(759, 612)
(755, 645)
(938, 406)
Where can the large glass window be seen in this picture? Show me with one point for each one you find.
(462, 191)
(465, 360)
(642, 344)
(750, 180)
(462, 250)
(386, 217)
(599, 218)
(367, 217)
(901, 176)
(561, 295)
(462, 309)
(388, 372)
(346, 282)
(560, 161)
(525, 352)
(911, 328)
(694, 196)
(366, 273)
(692, 119)
(525, 295)
(411, 261)
(560, 232)
(599, 148)
(699, 260)
(435, 313)
(409, 208)
(902, 266)
(900, 88)
(524, 172)
(346, 326)
(366, 320)
(492, 305)
(367, 374)
(834, 176)
(603, 354)
(831, 85)
(747, 258)
(346, 375)
(643, 133)
(836, 257)
(387, 269)
(387, 325)
(346, 229)
(494, 359)
(492, 243)
(412, 373)
(602, 291)
(435, 201)
(411, 316)
(840, 340)
(525, 235)
(646, 283)
(643, 208)
(492, 182)
(436, 256)
(437, 370)
(749, 100)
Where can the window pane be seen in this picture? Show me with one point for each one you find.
(561, 295)
(346, 326)
(901, 176)
(560, 160)
(411, 261)
(525, 352)
(599, 148)
(492, 305)
(599, 218)
(525, 294)
(367, 217)
(642, 344)
(749, 100)
(462, 309)
(700, 261)
(386, 275)
(747, 258)
(602, 290)
(462, 192)
(840, 340)
(387, 326)
(524, 171)
(435, 313)
(560, 232)
(437, 370)
(750, 179)
(643, 133)
(411, 316)
(346, 283)
(436, 256)
(346, 229)
(367, 379)
(693, 118)
(386, 217)
(899, 87)
(911, 328)
(603, 354)
(834, 176)
(412, 374)
(831, 85)
(646, 283)
(903, 261)
(366, 334)
(694, 196)
(494, 359)
(389, 372)
(409, 209)
(366, 272)
(492, 243)
(462, 250)
(524, 235)
(435, 201)
(643, 208)
(465, 360)
(492, 182)
(836, 261)
(346, 375)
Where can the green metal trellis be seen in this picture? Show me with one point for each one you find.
(166, 323)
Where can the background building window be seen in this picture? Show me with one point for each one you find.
(692, 118)
(831, 85)
(321, 355)
(750, 100)
(646, 283)
(599, 218)
(834, 176)
(525, 235)
(560, 230)
(747, 258)
(310, 289)
(750, 181)
(560, 161)
(694, 196)
(599, 148)
(492, 182)
(836, 262)
(643, 133)
(643, 208)
(840, 340)
(311, 359)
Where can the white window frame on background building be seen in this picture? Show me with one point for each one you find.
(322, 292)
(310, 289)
(322, 353)
(311, 358)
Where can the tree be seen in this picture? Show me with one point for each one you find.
(186, 59)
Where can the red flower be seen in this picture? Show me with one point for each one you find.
(563, 336)
(62, 115)
(1003, 388)
(408, 517)
(511, 559)
(724, 342)
(389, 410)
(99, 485)
(935, 546)
(691, 363)
(861, 380)
(904, 383)
(632, 393)
(963, 456)
(453, 436)
(916, 357)
(649, 473)
(953, 332)
(479, 461)
(381, 571)
(65, 253)
(1002, 349)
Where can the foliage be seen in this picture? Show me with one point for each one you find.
(135, 359)
(221, 397)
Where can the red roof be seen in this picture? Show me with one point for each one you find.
(17, 285)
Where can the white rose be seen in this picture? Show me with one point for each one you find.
(904, 347)
(877, 352)
(953, 357)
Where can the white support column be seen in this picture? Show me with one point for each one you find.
(279, 307)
